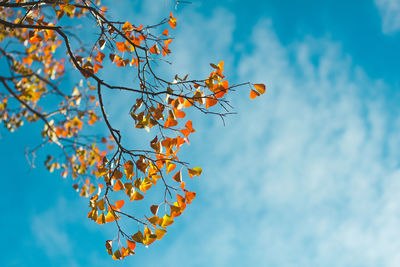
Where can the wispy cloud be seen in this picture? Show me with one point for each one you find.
(307, 175)
(390, 13)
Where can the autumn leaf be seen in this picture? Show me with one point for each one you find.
(189, 196)
(137, 196)
(121, 46)
(127, 27)
(196, 171)
(167, 220)
(254, 94)
(110, 217)
(178, 177)
(154, 49)
(109, 247)
(160, 233)
(131, 245)
(119, 204)
(172, 21)
(260, 88)
(211, 101)
(138, 237)
(154, 209)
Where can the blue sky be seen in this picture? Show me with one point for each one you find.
(307, 175)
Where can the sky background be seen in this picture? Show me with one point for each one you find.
(307, 175)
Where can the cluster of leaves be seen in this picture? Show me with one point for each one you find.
(33, 38)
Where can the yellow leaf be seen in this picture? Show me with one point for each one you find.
(160, 233)
(196, 171)
(170, 167)
(110, 217)
(69, 10)
(145, 185)
(137, 196)
(167, 220)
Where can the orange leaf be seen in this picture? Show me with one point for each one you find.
(179, 113)
(189, 126)
(119, 204)
(154, 50)
(260, 88)
(97, 67)
(121, 46)
(254, 94)
(165, 32)
(127, 27)
(170, 122)
(101, 219)
(172, 21)
(118, 186)
(35, 39)
(211, 101)
(170, 167)
(189, 196)
(131, 244)
(100, 56)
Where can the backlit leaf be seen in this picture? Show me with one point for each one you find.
(137, 196)
(160, 233)
(167, 220)
(109, 247)
(254, 94)
(196, 171)
(154, 209)
(118, 185)
(138, 237)
(178, 177)
(119, 204)
(131, 245)
(260, 88)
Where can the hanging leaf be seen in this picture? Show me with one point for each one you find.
(254, 94)
(154, 209)
(118, 185)
(160, 233)
(260, 88)
(196, 171)
(137, 196)
(178, 177)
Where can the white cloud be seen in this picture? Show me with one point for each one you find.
(306, 175)
(390, 13)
